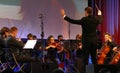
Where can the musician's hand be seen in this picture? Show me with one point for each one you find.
(115, 49)
(62, 12)
(50, 46)
(99, 12)
(110, 40)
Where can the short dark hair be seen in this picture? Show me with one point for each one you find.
(5, 29)
(60, 36)
(89, 10)
(29, 35)
(34, 36)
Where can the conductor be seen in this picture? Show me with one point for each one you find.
(89, 24)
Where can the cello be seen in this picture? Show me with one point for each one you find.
(116, 57)
(102, 54)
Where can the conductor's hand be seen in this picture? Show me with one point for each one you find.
(62, 12)
(99, 12)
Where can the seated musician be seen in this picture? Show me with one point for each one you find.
(35, 37)
(79, 37)
(8, 40)
(13, 42)
(111, 44)
(51, 49)
(5, 32)
(10, 36)
(79, 50)
(61, 52)
(78, 57)
(37, 52)
(60, 40)
(30, 36)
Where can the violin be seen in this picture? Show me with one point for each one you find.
(58, 46)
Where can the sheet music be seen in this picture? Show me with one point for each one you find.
(30, 44)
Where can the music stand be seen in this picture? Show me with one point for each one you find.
(30, 44)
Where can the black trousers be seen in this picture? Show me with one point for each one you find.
(90, 48)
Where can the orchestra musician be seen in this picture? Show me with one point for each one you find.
(13, 42)
(35, 37)
(60, 39)
(30, 36)
(110, 44)
(9, 43)
(51, 49)
(60, 43)
(61, 52)
(9, 35)
(5, 32)
(78, 57)
(79, 37)
(116, 56)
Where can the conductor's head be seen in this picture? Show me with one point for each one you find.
(88, 11)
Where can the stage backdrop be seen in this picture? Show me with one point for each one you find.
(25, 14)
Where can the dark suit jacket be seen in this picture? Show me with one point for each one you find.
(11, 43)
(14, 44)
(89, 25)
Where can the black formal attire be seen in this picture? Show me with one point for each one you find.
(89, 36)
(11, 42)
(52, 55)
(110, 54)
(10, 45)
(14, 44)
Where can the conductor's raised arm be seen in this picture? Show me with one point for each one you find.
(79, 22)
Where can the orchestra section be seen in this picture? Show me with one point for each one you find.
(33, 55)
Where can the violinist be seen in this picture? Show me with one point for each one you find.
(5, 32)
(111, 44)
(9, 35)
(8, 40)
(51, 49)
(13, 42)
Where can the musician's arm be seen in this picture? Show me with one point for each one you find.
(79, 22)
(99, 17)
(50, 46)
